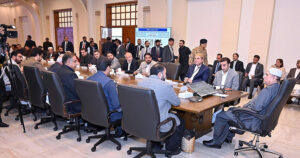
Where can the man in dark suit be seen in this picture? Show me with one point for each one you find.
(253, 75)
(108, 46)
(120, 51)
(95, 44)
(30, 43)
(295, 72)
(129, 47)
(84, 44)
(47, 44)
(67, 45)
(168, 52)
(67, 75)
(156, 51)
(138, 49)
(130, 64)
(60, 50)
(217, 64)
(51, 54)
(92, 48)
(198, 71)
(184, 53)
(236, 64)
(85, 58)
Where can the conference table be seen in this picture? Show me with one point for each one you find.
(197, 115)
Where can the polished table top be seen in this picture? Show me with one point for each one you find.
(208, 102)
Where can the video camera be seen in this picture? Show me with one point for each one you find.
(6, 33)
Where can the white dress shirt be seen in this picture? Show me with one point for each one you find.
(128, 68)
(297, 72)
(252, 70)
(224, 76)
(197, 68)
(234, 63)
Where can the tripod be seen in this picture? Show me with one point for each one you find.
(13, 83)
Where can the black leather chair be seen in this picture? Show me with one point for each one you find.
(210, 77)
(172, 70)
(95, 110)
(37, 93)
(59, 103)
(269, 120)
(241, 76)
(122, 61)
(141, 118)
(20, 90)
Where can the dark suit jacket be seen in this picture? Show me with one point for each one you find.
(167, 54)
(133, 67)
(85, 60)
(136, 52)
(54, 56)
(87, 44)
(70, 46)
(108, 46)
(202, 74)
(67, 76)
(55, 67)
(120, 52)
(96, 46)
(239, 66)
(259, 71)
(292, 75)
(154, 54)
(130, 48)
(46, 45)
(29, 43)
(215, 65)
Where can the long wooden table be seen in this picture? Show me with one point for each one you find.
(197, 116)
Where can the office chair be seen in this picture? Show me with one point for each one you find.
(122, 61)
(37, 94)
(210, 77)
(172, 70)
(95, 110)
(269, 121)
(59, 104)
(141, 118)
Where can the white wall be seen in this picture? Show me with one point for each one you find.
(245, 30)
(285, 37)
(204, 20)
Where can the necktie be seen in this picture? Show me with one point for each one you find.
(195, 72)
(66, 45)
(138, 51)
(157, 52)
(217, 67)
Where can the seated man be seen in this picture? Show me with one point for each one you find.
(110, 90)
(56, 66)
(96, 57)
(198, 71)
(295, 72)
(130, 64)
(34, 59)
(253, 74)
(67, 75)
(51, 54)
(236, 64)
(217, 64)
(146, 65)
(227, 78)
(259, 104)
(85, 58)
(115, 64)
(165, 96)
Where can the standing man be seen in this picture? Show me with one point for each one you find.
(201, 50)
(168, 52)
(253, 75)
(236, 64)
(30, 43)
(47, 44)
(108, 46)
(129, 47)
(165, 96)
(138, 49)
(156, 51)
(184, 53)
(95, 44)
(120, 51)
(92, 48)
(145, 50)
(67, 45)
(84, 44)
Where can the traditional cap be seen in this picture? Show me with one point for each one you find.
(275, 72)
